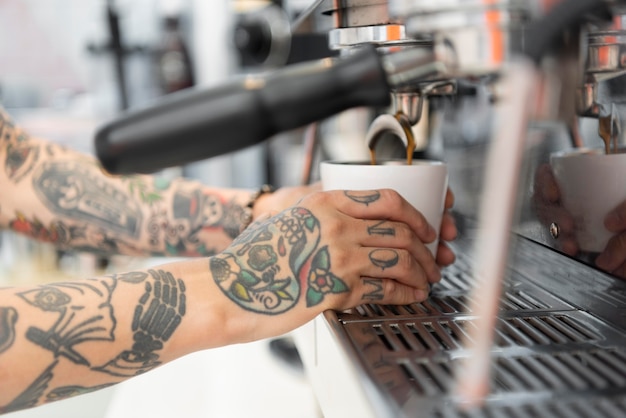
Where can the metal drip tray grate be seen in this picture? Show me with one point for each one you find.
(552, 357)
(449, 334)
(566, 373)
(519, 298)
(590, 407)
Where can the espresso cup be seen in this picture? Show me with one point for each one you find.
(423, 183)
(591, 184)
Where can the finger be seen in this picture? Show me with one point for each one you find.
(389, 292)
(445, 255)
(395, 235)
(546, 187)
(449, 199)
(620, 271)
(396, 264)
(614, 254)
(615, 221)
(448, 231)
(380, 204)
(568, 245)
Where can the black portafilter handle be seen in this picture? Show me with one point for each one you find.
(196, 124)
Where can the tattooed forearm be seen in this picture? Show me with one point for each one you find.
(74, 204)
(157, 315)
(75, 191)
(65, 392)
(252, 273)
(75, 323)
(33, 393)
(207, 211)
(364, 197)
(8, 318)
(377, 292)
(82, 314)
(20, 160)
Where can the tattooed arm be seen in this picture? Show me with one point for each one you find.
(61, 196)
(334, 250)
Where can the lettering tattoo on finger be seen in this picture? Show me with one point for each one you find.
(384, 258)
(377, 293)
(382, 228)
(363, 197)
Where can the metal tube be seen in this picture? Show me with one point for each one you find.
(497, 209)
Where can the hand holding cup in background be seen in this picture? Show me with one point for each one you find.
(613, 257)
(589, 187)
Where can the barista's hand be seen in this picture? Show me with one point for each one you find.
(333, 250)
(281, 199)
(448, 232)
(613, 258)
(547, 205)
(287, 196)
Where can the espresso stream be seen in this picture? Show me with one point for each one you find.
(608, 137)
(410, 146)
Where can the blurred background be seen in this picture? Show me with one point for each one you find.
(69, 65)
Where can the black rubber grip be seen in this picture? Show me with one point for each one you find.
(197, 124)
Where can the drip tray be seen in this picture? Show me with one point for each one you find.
(558, 352)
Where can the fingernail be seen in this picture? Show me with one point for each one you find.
(420, 295)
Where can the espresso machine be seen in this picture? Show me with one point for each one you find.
(516, 327)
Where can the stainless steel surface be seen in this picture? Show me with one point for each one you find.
(312, 20)
(352, 13)
(388, 35)
(559, 339)
(554, 230)
(409, 67)
(602, 91)
(479, 35)
(555, 353)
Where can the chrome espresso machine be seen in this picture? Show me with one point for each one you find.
(525, 323)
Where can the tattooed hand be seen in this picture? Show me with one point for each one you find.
(333, 250)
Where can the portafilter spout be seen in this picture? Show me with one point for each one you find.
(196, 124)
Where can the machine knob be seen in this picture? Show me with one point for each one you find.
(253, 40)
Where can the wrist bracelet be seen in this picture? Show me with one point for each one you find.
(248, 208)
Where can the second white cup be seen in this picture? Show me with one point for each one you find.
(591, 184)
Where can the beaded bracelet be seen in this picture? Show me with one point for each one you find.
(247, 215)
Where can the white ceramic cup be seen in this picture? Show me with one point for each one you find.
(423, 184)
(591, 185)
